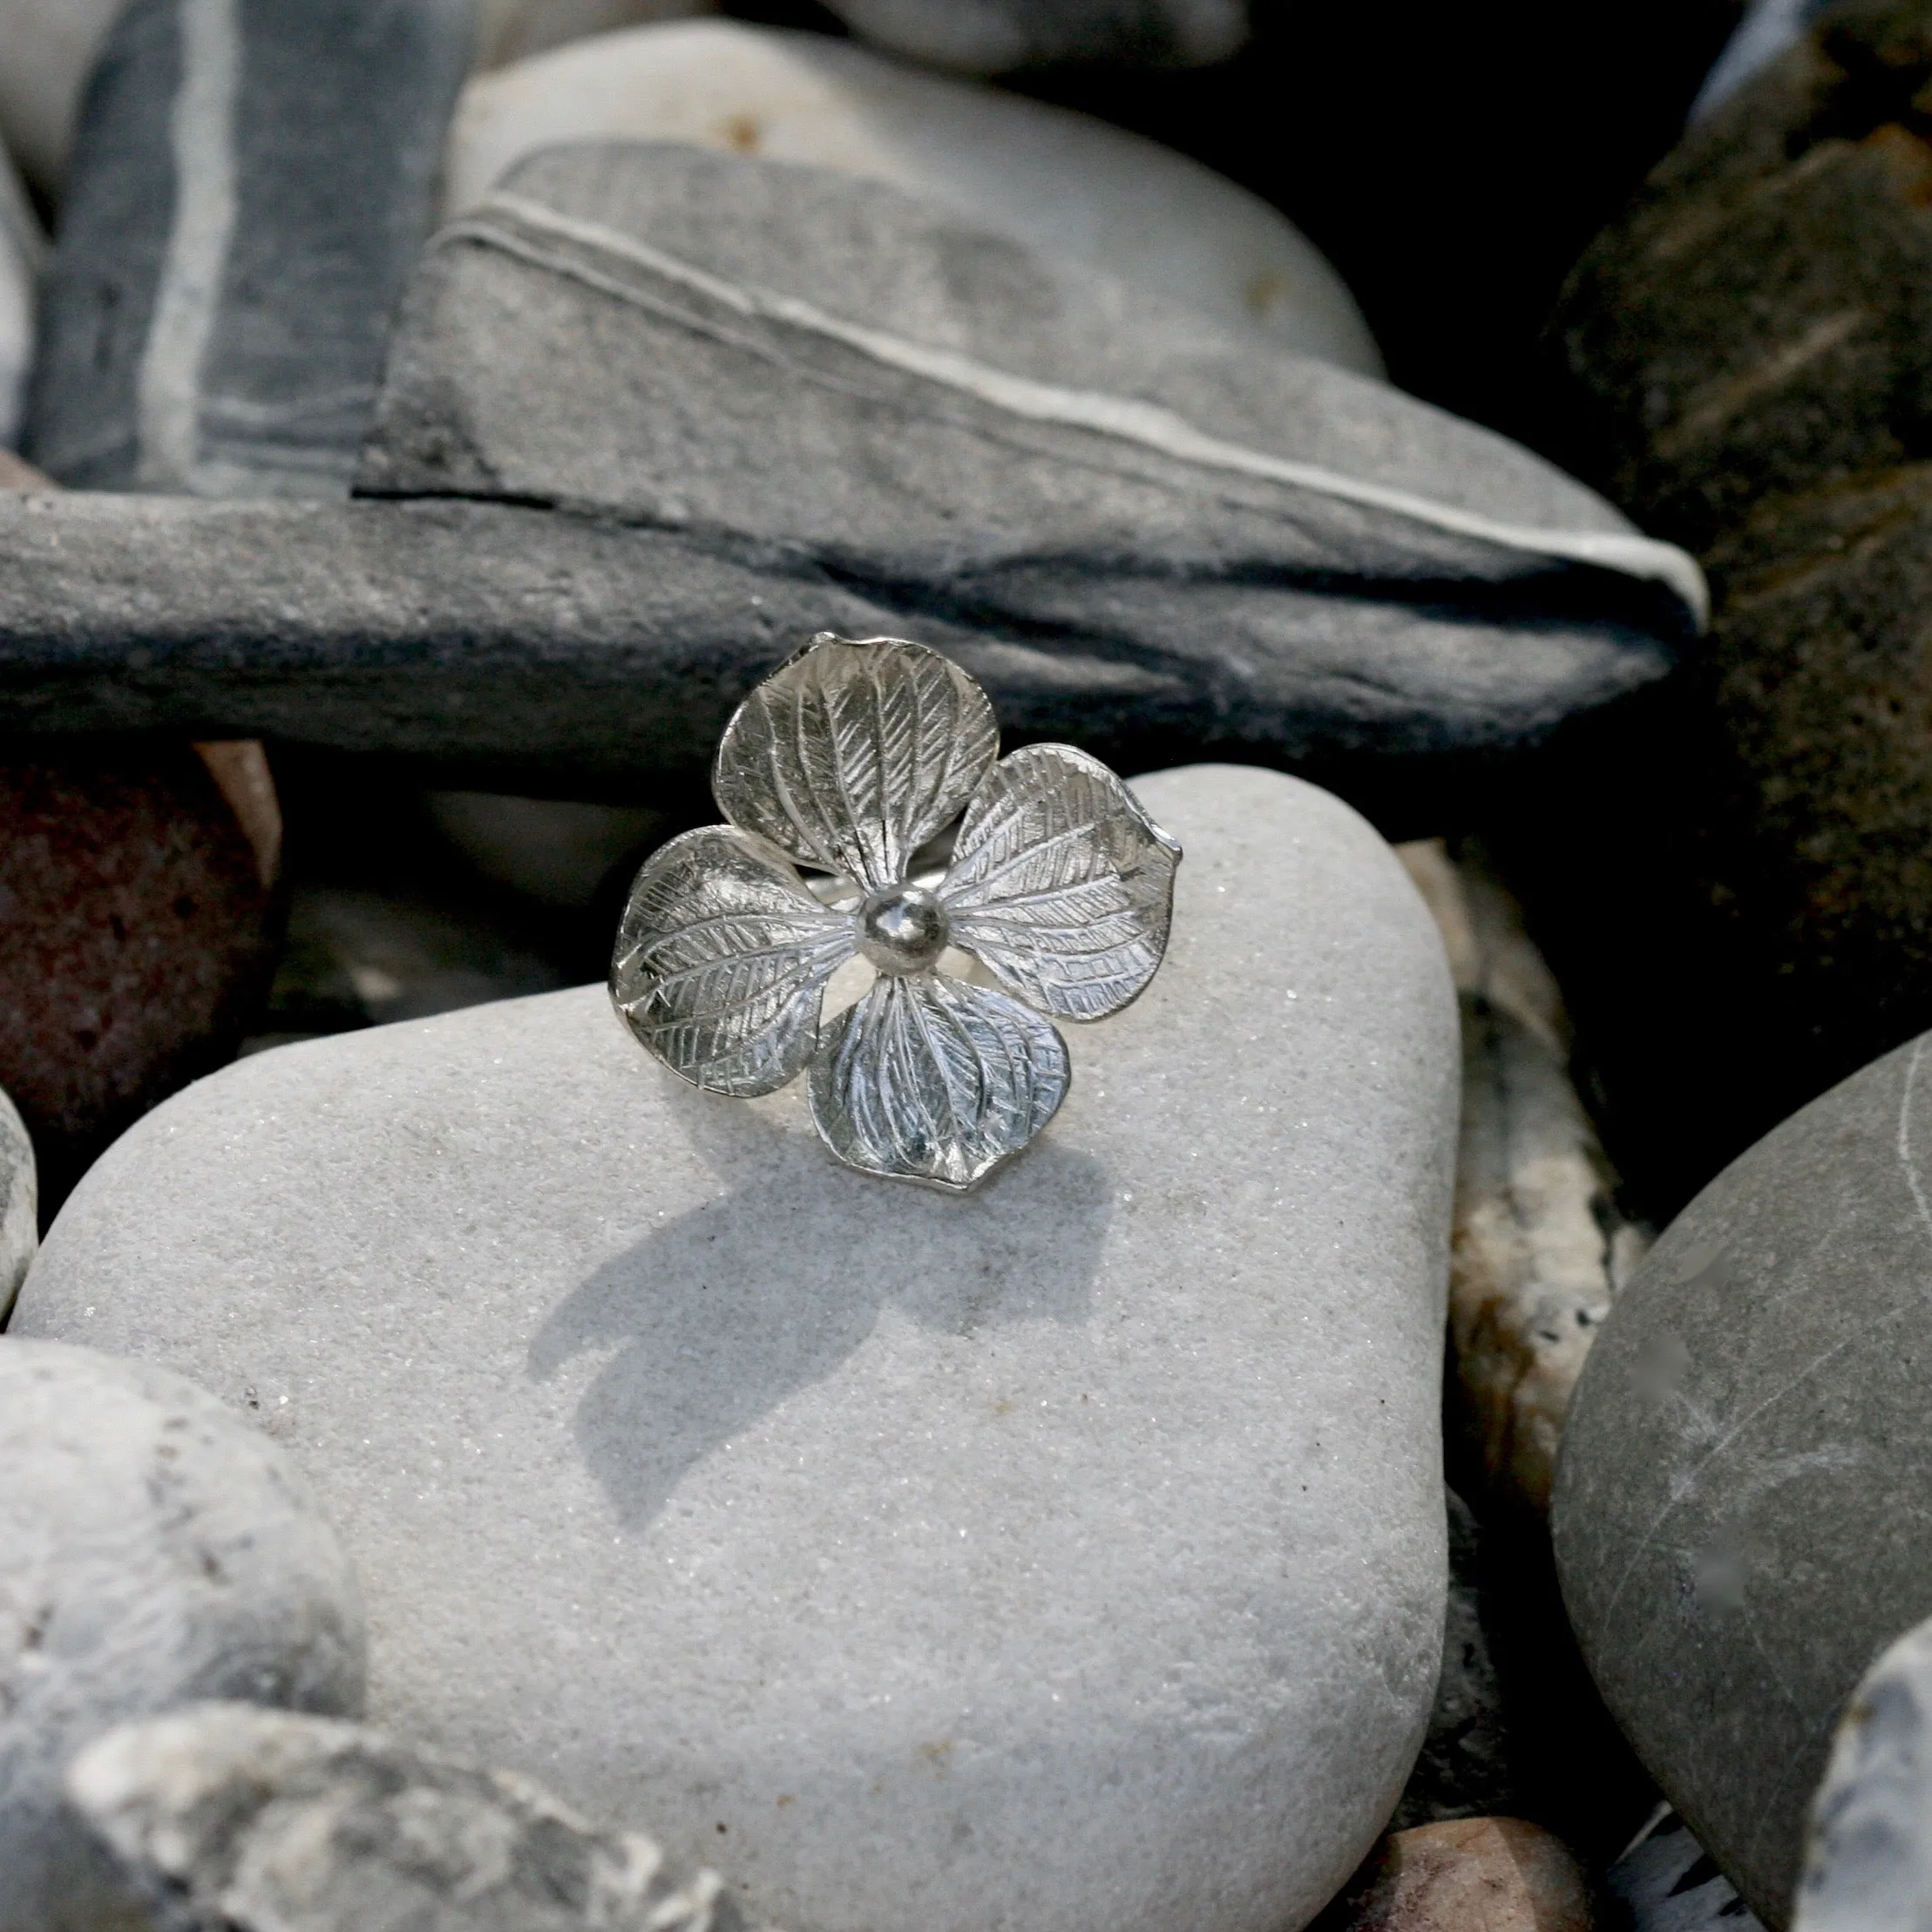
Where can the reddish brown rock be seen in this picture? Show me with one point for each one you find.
(1474, 1874)
(136, 942)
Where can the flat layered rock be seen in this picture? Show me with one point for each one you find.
(1068, 1554)
(154, 1548)
(677, 410)
(1741, 1513)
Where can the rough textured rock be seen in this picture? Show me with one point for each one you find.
(1868, 1854)
(154, 1548)
(993, 37)
(1665, 1882)
(19, 1205)
(1071, 187)
(1473, 1875)
(138, 942)
(1026, 1562)
(250, 183)
(21, 247)
(1694, 384)
(50, 45)
(1541, 1247)
(226, 1818)
(1741, 1513)
(1772, 843)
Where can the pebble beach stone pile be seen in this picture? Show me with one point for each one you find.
(1429, 1437)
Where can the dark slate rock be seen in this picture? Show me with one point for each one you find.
(705, 407)
(226, 1818)
(1743, 1514)
(250, 183)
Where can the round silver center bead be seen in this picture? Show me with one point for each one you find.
(902, 929)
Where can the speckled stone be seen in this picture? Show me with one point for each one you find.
(138, 942)
(154, 1548)
(1067, 1555)
(1743, 1514)
(1473, 1875)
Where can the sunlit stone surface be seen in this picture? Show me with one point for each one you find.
(1067, 1556)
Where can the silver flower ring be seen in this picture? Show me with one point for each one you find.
(846, 761)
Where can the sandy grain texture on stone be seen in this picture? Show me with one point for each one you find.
(1071, 1555)
(154, 1548)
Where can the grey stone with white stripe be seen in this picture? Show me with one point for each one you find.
(250, 183)
(691, 409)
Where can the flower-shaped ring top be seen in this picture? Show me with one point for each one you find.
(847, 760)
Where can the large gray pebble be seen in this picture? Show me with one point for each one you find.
(1070, 1555)
(224, 1817)
(1743, 1513)
(153, 1548)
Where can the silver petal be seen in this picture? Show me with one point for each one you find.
(721, 959)
(852, 755)
(929, 1079)
(1062, 883)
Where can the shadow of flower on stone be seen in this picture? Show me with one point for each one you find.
(723, 1313)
